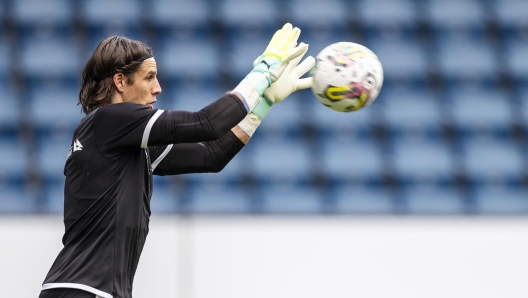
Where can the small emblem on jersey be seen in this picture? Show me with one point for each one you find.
(77, 145)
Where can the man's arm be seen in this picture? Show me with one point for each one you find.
(210, 123)
(241, 135)
(204, 157)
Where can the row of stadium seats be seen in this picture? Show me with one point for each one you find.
(471, 109)
(410, 159)
(455, 57)
(440, 13)
(447, 135)
(296, 199)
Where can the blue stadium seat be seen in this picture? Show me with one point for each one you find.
(488, 159)
(51, 156)
(181, 18)
(493, 199)
(476, 109)
(515, 55)
(286, 119)
(11, 108)
(14, 162)
(16, 199)
(512, 14)
(196, 59)
(330, 122)
(378, 14)
(118, 12)
(35, 13)
(234, 170)
(401, 59)
(316, 17)
(280, 159)
(363, 199)
(5, 63)
(230, 174)
(54, 197)
(51, 57)
(420, 159)
(54, 107)
(218, 198)
(523, 100)
(165, 198)
(259, 18)
(189, 97)
(242, 52)
(290, 198)
(433, 199)
(356, 159)
(105, 18)
(456, 14)
(318, 42)
(460, 59)
(407, 109)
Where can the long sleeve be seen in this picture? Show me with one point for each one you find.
(203, 157)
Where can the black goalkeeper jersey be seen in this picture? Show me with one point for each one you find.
(115, 151)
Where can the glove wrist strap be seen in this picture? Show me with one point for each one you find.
(253, 86)
(262, 108)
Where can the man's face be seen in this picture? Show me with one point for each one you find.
(145, 86)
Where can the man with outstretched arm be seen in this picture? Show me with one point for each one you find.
(124, 140)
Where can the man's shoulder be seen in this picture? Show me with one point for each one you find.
(121, 110)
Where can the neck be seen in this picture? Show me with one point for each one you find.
(116, 98)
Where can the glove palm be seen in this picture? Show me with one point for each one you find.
(289, 82)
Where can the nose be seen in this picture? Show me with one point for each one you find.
(157, 88)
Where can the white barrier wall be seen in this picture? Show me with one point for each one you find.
(262, 257)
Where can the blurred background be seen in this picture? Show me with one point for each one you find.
(447, 135)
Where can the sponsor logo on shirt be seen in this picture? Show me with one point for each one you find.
(77, 146)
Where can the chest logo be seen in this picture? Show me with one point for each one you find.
(77, 145)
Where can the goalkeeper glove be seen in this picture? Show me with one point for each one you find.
(269, 66)
(289, 82)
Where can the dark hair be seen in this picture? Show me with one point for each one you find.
(112, 55)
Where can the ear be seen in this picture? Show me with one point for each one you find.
(119, 81)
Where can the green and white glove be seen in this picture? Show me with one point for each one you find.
(281, 50)
(269, 66)
(289, 82)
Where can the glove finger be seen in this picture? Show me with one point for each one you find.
(291, 40)
(299, 50)
(284, 36)
(304, 83)
(295, 61)
(305, 66)
(278, 37)
(292, 54)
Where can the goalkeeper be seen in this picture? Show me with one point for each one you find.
(124, 140)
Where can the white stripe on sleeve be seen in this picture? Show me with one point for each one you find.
(146, 133)
(161, 157)
(76, 286)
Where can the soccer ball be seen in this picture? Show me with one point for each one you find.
(347, 76)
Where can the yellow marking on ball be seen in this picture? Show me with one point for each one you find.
(336, 93)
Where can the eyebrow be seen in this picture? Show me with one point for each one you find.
(152, 72)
